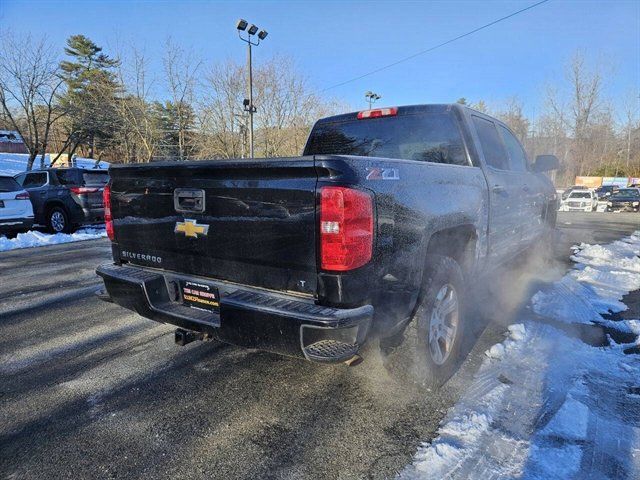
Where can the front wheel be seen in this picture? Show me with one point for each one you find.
(431, 351)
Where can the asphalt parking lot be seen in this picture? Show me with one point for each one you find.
(90, 390)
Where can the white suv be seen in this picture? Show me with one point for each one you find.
(580, 200)
(16, 211)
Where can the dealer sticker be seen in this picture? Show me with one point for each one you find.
(200, 296)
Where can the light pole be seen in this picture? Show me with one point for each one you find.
(248, 102)
(242, 124)
(371, 97)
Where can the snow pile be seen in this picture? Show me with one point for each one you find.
(602, 276)
(515, 336)
(543, 404)
(15, 163)
(38, 239)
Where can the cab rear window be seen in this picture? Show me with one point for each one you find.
(433, 137)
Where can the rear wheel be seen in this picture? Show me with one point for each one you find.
(58, 220)
(431, 351)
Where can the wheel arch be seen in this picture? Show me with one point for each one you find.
(50, 204)
(458, 242)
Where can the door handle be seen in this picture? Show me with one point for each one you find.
(526, 189)
(498, 189)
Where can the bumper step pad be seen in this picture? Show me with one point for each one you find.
(331, 351)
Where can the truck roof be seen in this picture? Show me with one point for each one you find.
(404, 109)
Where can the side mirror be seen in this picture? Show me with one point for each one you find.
(546, 163)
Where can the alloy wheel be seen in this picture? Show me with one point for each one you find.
(443, 324)
(57, 221)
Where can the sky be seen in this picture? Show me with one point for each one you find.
(334, 41)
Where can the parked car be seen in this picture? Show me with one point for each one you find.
(65, 198)
(16, 212)
(580, 200)
(566, 193)
(624, 200)
(379, 227)
(605, 191)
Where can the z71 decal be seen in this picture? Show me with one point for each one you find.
(380, 173)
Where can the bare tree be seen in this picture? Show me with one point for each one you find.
(287, 108)
(631, 134)
(221, 117)
(512, 114)
(30, 83)
(581, 109)
(138, 137)
(181, 73)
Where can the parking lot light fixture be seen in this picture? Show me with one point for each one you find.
(372, 97)
(249, 107)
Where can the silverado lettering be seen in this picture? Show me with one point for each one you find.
(140, 256)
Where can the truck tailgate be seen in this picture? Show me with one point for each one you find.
(246, 221)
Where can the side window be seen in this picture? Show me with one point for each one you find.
(67, 177)
(34, 180)
(20, 178)
(440, 141)
(492, 147)
(516, 154)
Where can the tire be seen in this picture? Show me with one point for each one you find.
(58, 221)
(431, 351)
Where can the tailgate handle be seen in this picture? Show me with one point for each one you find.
(188, 200)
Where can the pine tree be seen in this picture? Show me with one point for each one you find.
(92, 93)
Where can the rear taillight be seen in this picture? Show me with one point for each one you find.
(378, 112)
(108, 220)
(83, 190)
(22, 196)
(346, 228)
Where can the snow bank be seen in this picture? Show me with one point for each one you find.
(544, 405)
(602, 276)
(38, 239)
(14, 163)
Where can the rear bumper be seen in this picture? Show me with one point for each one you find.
(16, 224)
(247, 317)
(92, 215)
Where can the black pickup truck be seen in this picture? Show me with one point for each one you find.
(380, 224)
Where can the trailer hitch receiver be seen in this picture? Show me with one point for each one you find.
(184, 337)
